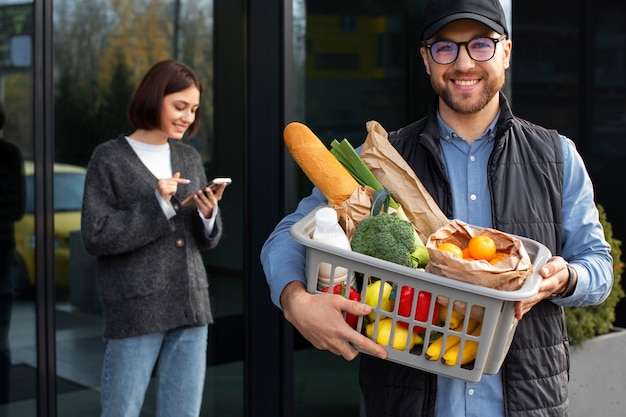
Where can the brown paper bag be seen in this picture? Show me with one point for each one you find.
(354, 209)
(507, 275)
(395, 174)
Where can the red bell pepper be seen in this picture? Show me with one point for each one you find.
(407, 295)
(340, 289)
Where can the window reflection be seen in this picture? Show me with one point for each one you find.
(101, 49)
(17, 316)
(11, 211)
(68, 195)
(353, 62)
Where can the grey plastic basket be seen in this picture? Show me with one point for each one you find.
(498, 314)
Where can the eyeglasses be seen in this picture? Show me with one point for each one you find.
(479, 49)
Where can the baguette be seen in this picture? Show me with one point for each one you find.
(319, 164)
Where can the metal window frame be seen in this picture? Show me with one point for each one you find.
(43, 106)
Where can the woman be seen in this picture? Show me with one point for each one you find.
(151, 279)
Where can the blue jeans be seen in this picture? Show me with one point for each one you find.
(180, 359)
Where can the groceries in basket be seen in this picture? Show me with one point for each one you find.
(499, 260)
(412, 309)
(457, 345)
(319, 165)
(352, 294)
(348, 184)
(400, 340)
(447, 348)
(433, 319)
(327, 230)
(339, 187)
(389, 237)
(395, 174)
(354, 184)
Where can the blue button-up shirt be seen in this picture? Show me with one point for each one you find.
(466, 166)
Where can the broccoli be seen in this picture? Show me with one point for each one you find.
(386, 236)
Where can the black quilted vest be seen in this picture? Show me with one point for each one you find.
(525, 173)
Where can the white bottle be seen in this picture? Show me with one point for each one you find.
(328, 230)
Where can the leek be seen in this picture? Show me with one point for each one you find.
(345, 153)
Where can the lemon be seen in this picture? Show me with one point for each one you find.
(400, 335)
(373, 293)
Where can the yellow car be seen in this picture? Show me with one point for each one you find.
(69, 182)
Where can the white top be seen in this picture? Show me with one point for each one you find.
(157, 159)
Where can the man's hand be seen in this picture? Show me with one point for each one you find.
(555, 276)
(319, 318)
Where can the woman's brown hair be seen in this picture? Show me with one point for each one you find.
(163, 78)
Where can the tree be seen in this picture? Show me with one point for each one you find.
(81, 30)
(103, 48)
(196, 50)
(141, 34)
(111, 113)
(584, 323)
(75, 131)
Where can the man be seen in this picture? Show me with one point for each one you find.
(486, 167)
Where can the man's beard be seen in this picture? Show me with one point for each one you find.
(467, 105)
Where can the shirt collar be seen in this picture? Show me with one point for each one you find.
(447, 134)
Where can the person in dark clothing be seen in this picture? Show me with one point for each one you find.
(12, 206)
(489, 168)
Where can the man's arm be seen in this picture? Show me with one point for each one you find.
(318, 317)
(585, 256)
(584, 245)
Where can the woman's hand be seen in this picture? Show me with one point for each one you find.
(167, 187)
(206, 199)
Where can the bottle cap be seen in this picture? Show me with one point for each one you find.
(325, 217)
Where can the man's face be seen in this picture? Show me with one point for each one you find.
(467, 86)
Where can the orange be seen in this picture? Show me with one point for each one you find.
(482, 247)
(466, 255)
(499, 256)
(452, 248)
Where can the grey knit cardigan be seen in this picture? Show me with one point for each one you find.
(150, 274)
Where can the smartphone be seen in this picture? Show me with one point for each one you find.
(214, 183)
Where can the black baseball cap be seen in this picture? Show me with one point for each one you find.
(439, 13)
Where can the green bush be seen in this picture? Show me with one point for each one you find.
(584, 323)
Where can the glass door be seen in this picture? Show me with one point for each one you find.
(18, 364)
(101, 49)
(354, 61)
